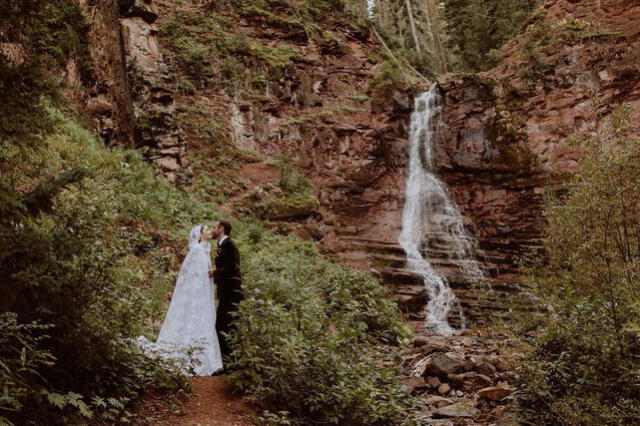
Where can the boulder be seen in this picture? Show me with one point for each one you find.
(444, 389)
(496, 393)
(443, 364)
(426, 345)
(459, 409)
(471, 381)
(415, 385)
(486, 368)
(433, 381)
(438, 401)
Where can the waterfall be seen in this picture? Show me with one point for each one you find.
(371, 4)
(430, 214)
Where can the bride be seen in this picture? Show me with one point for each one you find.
(191, 319)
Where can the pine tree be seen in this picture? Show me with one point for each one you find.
(413, 30)
(475, 27)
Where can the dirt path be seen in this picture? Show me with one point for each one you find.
(212, 403)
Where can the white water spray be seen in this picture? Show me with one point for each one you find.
(430, 213)
(371, 4)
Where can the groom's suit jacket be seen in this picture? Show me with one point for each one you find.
(227, 276)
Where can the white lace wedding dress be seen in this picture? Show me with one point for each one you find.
(191, 319)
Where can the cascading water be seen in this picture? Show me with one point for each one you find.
(370, 5)
(429, 213)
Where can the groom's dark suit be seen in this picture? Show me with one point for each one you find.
(229, 283)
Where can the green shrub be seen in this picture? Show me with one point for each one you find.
(585, 366)
(21, 356)
(386, 78)
(77, 257)
(292, 197)
(304, 335)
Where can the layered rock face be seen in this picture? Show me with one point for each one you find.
(501, 147)
(507, 126)
(132, 101)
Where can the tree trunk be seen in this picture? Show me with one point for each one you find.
(412, 25)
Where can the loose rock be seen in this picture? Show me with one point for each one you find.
(444, 389)
(459, 409)
(438, 401)
(433, 381)
(443, 364)
(415, 385)
(495, 393)
(471, 381)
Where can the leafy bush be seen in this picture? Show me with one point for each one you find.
(585, 367)
(20, 358)
(76, 256)
(304, 335)
(388, 77)
(292, 197)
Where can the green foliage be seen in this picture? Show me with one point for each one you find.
(551, 32)
(61, 34)
(36, 36)
(576, 30)
(585, 367)
(300, 18)
(21, 356)
(476, 27)
(290, 180)
(535, 67)
(202, 42)
(388, 77)
(205, 40)
(79, 265)
(304, 333)
(292, 197)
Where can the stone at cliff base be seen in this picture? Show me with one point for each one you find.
(459, 409)
(495, 393)
(444, 389)
(415, 385)
(433, 381)
(486, 368)
(438, 401)
(470, 382)
(168, 163)
(428, 346)
(443, 364)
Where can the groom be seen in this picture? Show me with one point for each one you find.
(228, 281)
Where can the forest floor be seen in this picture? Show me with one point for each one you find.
(445, 401)
(212, 403)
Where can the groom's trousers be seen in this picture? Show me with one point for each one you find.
(229, 297)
